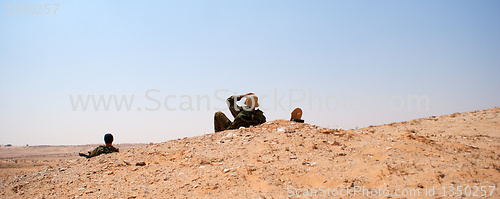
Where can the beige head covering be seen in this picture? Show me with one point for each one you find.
(252, 101)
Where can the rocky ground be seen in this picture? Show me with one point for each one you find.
(455, 155)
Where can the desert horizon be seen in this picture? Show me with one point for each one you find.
(7, 145)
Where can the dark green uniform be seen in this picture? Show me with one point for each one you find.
(102, 149)
(242, 117)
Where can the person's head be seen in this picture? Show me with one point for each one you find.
(252, 101)
(108, 139)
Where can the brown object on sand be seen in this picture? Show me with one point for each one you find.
(296, 115)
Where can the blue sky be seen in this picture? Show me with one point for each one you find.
(345, 63)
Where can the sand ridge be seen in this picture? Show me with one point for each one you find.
(280, 159)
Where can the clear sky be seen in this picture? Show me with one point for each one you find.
(347, 64)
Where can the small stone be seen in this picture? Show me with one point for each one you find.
(141, 163)
(290, 131)
(126, 162)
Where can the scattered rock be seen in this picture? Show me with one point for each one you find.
(126, 162)
(140, 163)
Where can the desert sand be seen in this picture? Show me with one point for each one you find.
(455, 155)
(16, 160)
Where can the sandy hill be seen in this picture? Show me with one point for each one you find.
(280, 159)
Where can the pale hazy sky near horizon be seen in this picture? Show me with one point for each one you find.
(347, 64)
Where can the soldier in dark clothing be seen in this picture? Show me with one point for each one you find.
(108, 148)
(244, 116)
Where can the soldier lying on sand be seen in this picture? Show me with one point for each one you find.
(108, 148)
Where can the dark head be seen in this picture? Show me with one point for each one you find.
(108, 138)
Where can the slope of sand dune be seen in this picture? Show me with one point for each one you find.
(280, 159)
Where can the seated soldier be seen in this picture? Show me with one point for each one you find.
(108, 148)
(243, 116)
